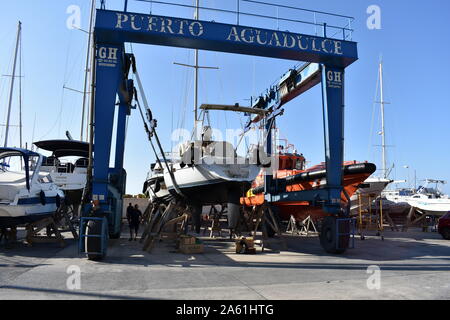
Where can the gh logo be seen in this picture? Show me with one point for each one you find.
(107, 53)
(334, 76)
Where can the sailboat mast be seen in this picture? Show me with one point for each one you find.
(11, 90)
(196, 17)
(20, 92)
(383, 136)
(88, 56)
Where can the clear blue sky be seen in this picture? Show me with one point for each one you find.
(413, 41)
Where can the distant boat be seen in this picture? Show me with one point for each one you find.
(430, 201)
(26, 194)
(396, 201)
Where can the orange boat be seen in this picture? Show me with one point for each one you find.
(291, 173)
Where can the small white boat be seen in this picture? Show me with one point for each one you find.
(26, 194)
(430, 201)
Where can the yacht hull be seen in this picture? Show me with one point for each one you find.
(13, 215)
(212, 184)
(432, 208)
(369, 190)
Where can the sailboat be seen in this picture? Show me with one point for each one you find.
(68, 163)
(26, 193)
(209, 172)
(67, 167)
(373, 187)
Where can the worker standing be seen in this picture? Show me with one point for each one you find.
(134, 216)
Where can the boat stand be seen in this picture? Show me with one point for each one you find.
(365, 220)
(175, 215)
(9, 235)
(292, 226)
(64, 221)
(264, 216)
(306, 227)
(55, 225)
(33, 230)
(412, 215)
(215, 217)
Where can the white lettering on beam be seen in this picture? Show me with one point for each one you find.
(159, 24)
(285, 40)
(235, 34)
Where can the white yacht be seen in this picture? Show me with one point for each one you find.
(26, 193)
(67, 166)
(430, 201)
(209, 173)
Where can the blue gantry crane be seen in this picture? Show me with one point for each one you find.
(328, 57)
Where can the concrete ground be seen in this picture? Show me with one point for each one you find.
(413, 265)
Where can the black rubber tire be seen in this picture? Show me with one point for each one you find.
(115, 235)
(328, 237)
(94, 244)
(118, 233)
(446, 233)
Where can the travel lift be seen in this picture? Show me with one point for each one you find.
(329, 58)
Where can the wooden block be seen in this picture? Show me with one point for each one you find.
(192, 248)
(169, 236)
(245, 245)
(187, 240)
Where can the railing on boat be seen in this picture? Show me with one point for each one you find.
(250, 12)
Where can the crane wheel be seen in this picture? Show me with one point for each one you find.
(329, 239)
(94, 244)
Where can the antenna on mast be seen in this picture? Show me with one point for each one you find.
(87, 70)
(11, 90)
(196, 68)
(383, 131)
